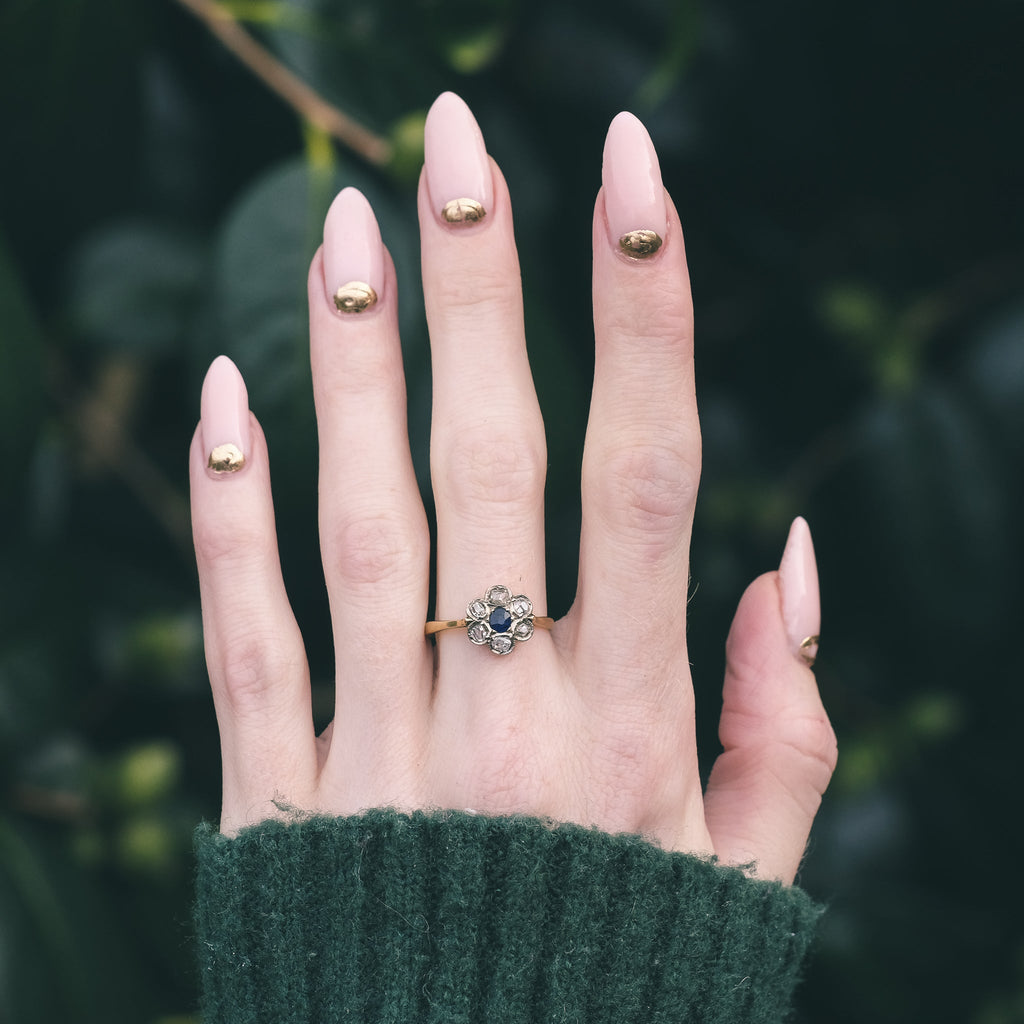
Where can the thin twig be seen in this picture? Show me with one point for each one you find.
(98, 417)
(106, 439)
(292, 89)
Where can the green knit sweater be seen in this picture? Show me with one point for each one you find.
(451, 918)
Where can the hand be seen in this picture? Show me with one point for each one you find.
(591, 721)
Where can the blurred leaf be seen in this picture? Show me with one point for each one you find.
(407, 146)
(337, 46)
(680, 45)
(134, 286)
(320, 157)
(262, 264)
(278, 13)
(861, 316)
(928, 473)
(48, 484)
(28, 898)
(995, 371)
(934, 716)
(891, 340)
(58, 764)
(59, 935)
(148, 773)
(875, 755)
(856, 311)
(475, 51)
(148, 844)
(28, 693)
(163, 648)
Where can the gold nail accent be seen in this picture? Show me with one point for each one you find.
(226, 458)
(809, 649)
(355, 297)
(463, 211)
(638, 245)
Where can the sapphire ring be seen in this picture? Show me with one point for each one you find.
(499, 619)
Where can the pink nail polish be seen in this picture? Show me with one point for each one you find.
(353, 254)
(458, 171)
(798, 587)
(224, 415)
(634, 197)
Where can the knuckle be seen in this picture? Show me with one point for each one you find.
(505, 779)
(630, 760)
(489, 293)
(252, 668)
(504, 783)
(625, 768)
(491, 472)
(372, 547)
(354, 371)
(663, 329)
(812, 738)
(648, 491)
(222, 545)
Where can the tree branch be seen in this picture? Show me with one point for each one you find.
(292, 89)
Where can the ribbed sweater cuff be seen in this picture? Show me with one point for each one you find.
(451, 918)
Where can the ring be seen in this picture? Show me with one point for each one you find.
(499, 619)
(809, 649)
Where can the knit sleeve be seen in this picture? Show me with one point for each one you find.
(451, 918)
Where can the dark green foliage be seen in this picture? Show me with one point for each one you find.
(848, 180)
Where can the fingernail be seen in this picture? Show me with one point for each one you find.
(634, 198)
(798, 586)
(353, 254)
(224, 416)
(458, 171)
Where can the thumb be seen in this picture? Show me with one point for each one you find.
(779, 750)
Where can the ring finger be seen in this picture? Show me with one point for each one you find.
(488, 454)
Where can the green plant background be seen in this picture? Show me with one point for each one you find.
(849, 180)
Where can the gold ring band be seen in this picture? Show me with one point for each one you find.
(500, 619)
(440, 625)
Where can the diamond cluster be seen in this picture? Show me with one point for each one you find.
(499, 619)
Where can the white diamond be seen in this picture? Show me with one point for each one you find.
(499, 595)
(501, 643)
(521, 606)
(479, 632)
(477, 610)
(524, 630)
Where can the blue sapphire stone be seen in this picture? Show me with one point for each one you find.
(500, 620)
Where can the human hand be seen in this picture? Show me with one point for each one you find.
(591, 721)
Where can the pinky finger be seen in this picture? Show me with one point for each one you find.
(779, 748)
(254, 652)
